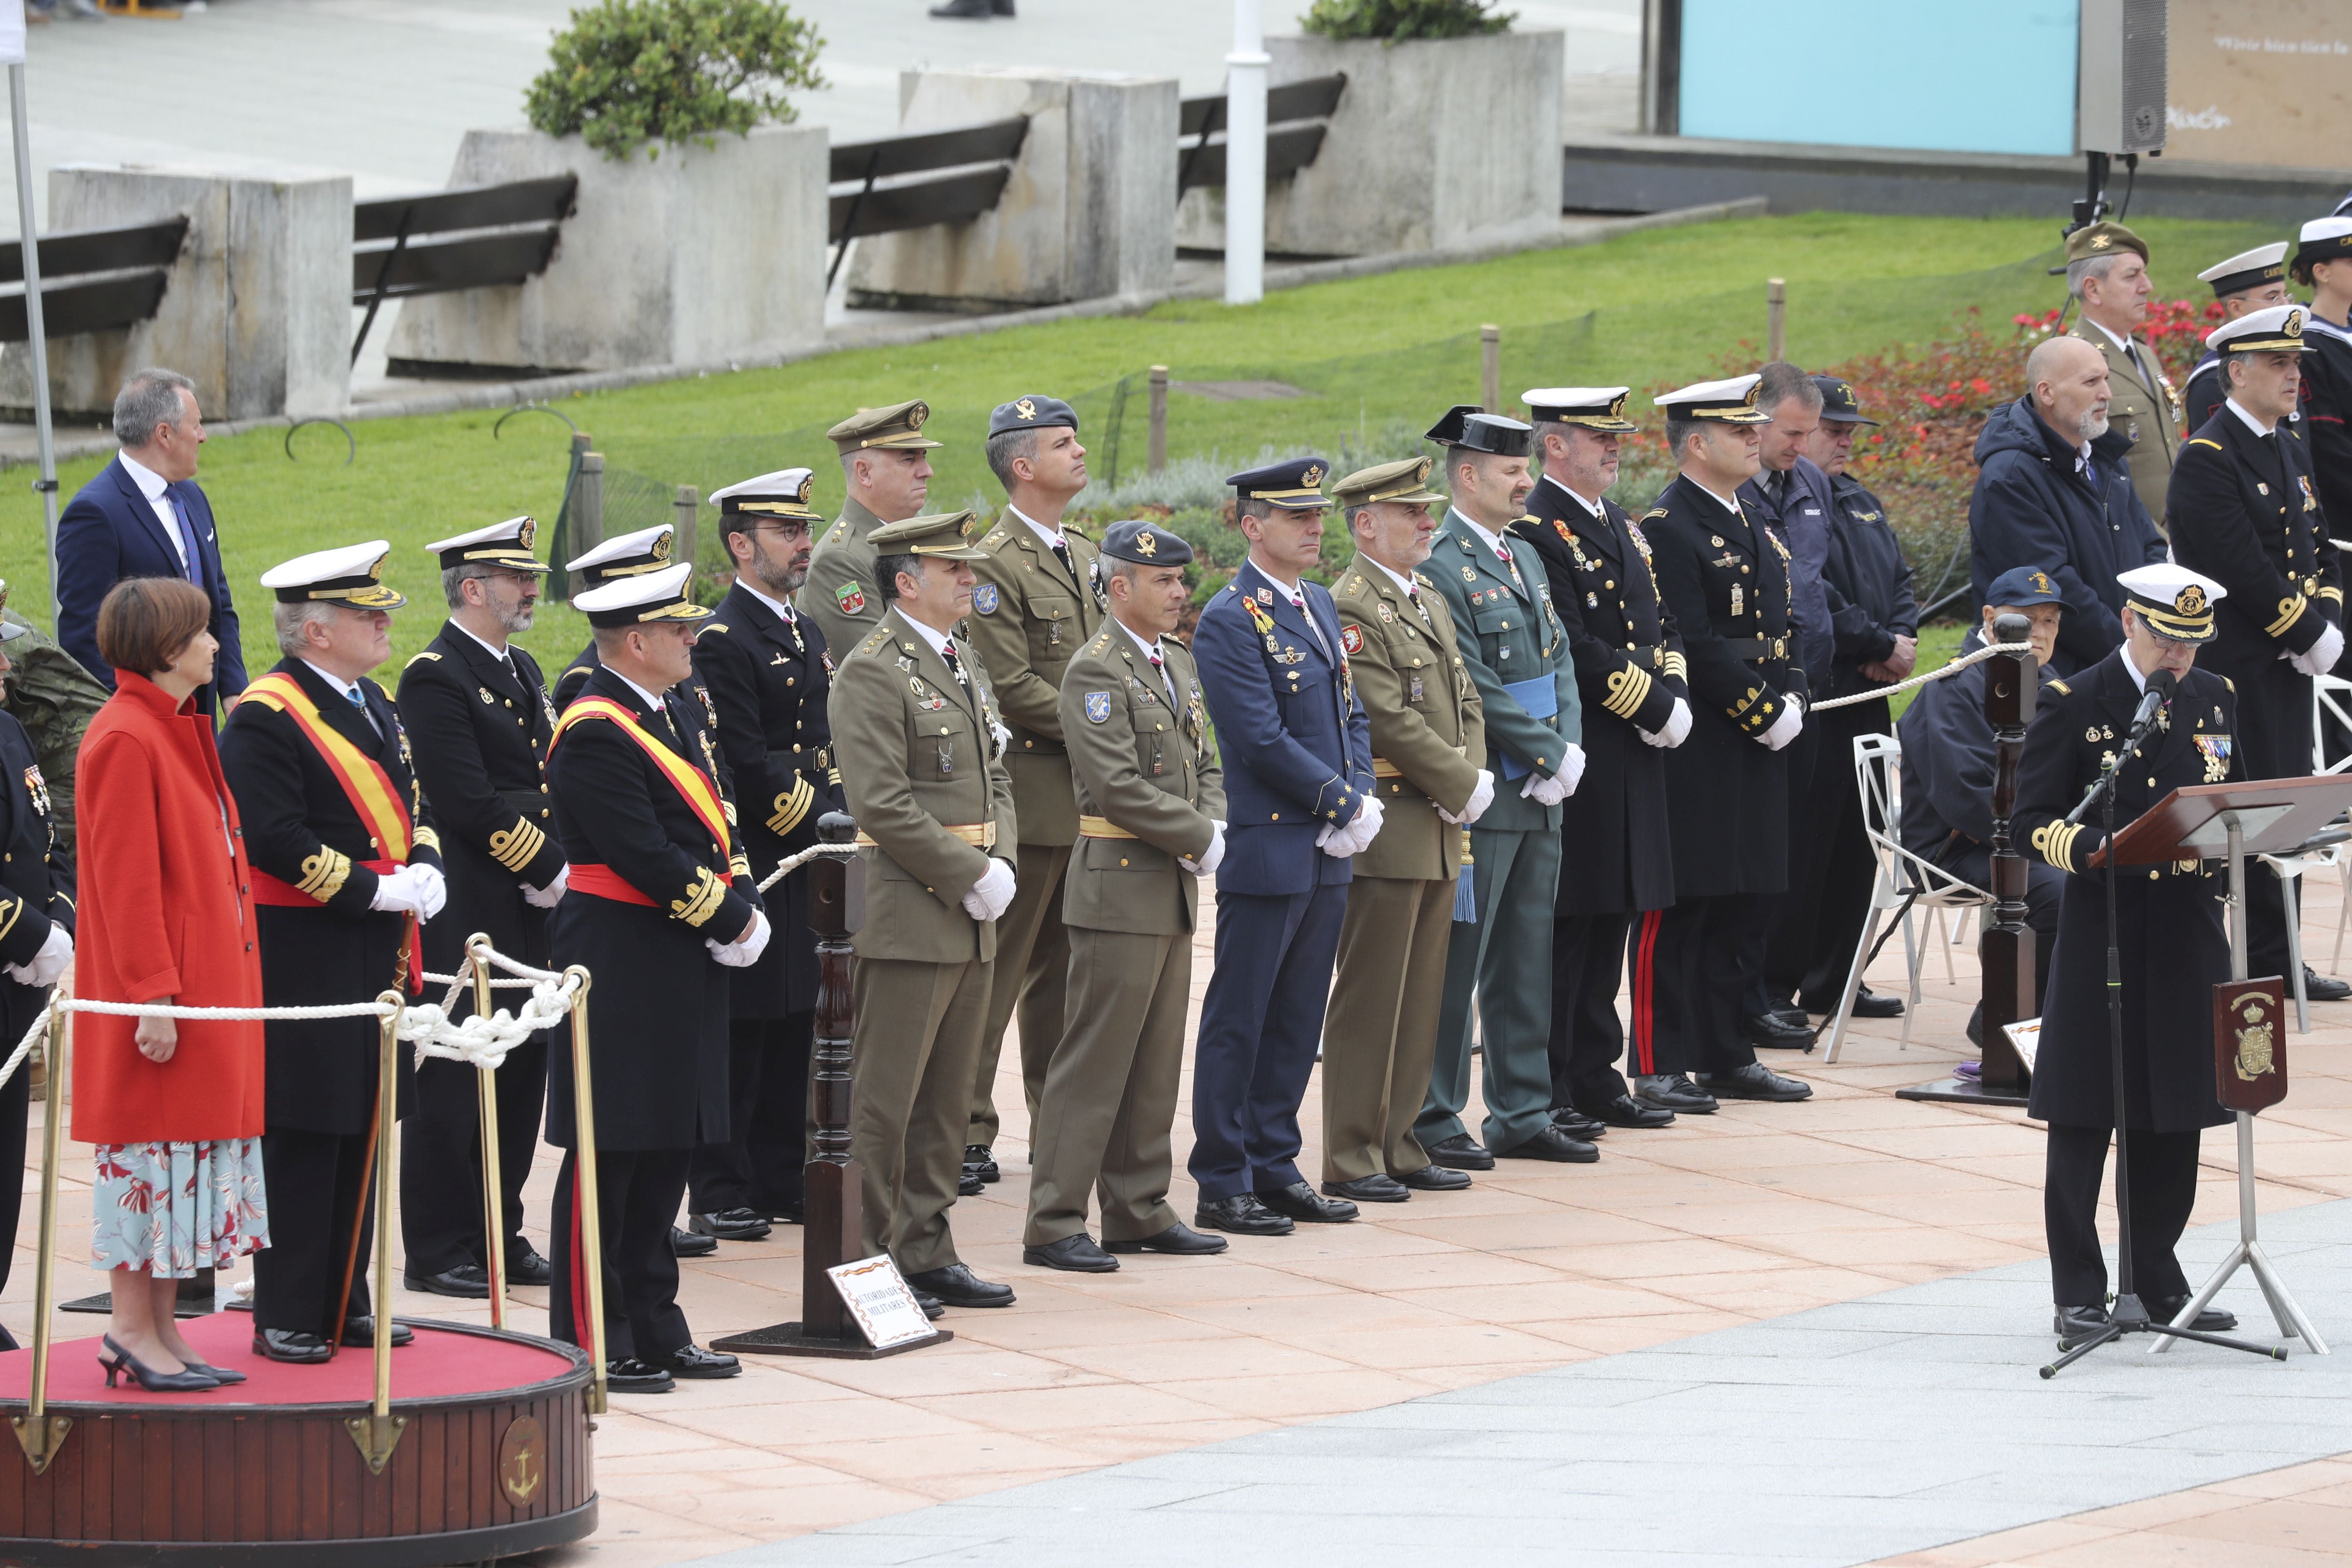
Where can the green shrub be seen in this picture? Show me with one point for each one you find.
(627, 72)
(1390, 20)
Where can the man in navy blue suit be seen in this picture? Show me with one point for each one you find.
(144, 516)
(1298, 752)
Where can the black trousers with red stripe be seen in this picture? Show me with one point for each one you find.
(638, 1192)
(1588, 958)
(1693, 965)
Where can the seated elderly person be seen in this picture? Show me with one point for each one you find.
(1947, 765)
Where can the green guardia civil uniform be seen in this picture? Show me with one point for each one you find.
(1148, 791)
(840, 594)
(1032, 611)
(1429, 745)
(923, 770)
(54, 698)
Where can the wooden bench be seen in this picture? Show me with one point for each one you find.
(93, 280)
(967, 170)
(476, 236)
(1295, 116)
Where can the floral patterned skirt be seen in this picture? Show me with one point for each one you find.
(174, 1208)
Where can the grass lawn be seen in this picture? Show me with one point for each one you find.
(1376, 359)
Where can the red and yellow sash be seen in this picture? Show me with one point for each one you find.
(691, 782)
(365, 783)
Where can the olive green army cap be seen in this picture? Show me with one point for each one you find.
(2103, 238)
(936, 536)
(900, 426)
(1405, 482)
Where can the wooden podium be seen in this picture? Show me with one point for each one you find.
(2267, 817)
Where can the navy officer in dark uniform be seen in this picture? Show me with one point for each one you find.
(1616, 848)
(2169, 934)
(2250, 281)
(768, 673)
(1297, 754)
(477, 712)
(2244, 510)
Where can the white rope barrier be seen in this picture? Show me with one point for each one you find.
(1954, 667)
(792, 863)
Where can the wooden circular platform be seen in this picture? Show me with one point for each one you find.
(494, 1460)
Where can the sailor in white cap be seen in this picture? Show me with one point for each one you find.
(2246, 512)
(478, 713)
(2168, 935)
(2323, 263)
(346, 865)
(660, 905)
(2250, 281)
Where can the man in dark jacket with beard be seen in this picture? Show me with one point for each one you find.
(2053, 494)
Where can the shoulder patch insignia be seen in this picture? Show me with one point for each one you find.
(994, 540)
(1351, 637)
(1653, 513)
(851, 598)
(2062, 689)
(984, 598)
(428, 653)
(1423, 581)
(719, 626)
(1469, 574)
(1098, 707)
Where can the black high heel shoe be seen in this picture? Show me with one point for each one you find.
(188, 1382)
(220, 1374)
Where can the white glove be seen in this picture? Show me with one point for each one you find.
(431, 892)
(1676, 728)
(2321, 657)
(745, 950)
(1572, 770)
(1482, 796)
(44, 967)
(1785, 728)
(1003, 737)
(397, 893)
(1367, 825)
(547, 898)
(1211, 858)
(1559, 786)
(992, 894)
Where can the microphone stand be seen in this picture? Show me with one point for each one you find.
(2129, 1317)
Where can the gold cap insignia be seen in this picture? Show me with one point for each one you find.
(2100, 241)
(917, 412)
(661, 548)
(2294, 324)
(1617, 404)
(1147, 544)
(2042, 582)
(2190, 601)
(807, 485)
(1025, 408)
(524, 534)
(1313, 476)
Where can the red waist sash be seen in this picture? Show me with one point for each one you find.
(604, 883)
(280, 894)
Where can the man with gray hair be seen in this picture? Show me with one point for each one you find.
(2106, 275)
(2052, 494)
(144, 516)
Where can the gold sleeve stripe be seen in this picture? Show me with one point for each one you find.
(703, 897)
(2335, 594)
(324, 874)
(11, 911)
(729, 807)
(1677, 666)
(2291, 610)
(429, 837)
(2201, 441)
(516, 847)
(2055, 843)
(1628, 689)
(793, 806)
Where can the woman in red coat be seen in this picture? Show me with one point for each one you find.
(167, 915)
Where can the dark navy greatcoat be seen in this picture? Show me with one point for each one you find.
(2169, 934)
(2326, 415)
(35, 893)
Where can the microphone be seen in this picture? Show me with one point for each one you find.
(2161, 685)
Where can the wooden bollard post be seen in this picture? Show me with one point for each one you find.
(588, 511)
(1776, 319)
(688, 504)
(1156, 454)
(2007, 945)
(1490, 367)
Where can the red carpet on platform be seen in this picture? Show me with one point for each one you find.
(438, 1365)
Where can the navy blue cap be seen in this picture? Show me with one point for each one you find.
(1294, 484)
(1839, 402)
(1145, 543)
(2020, 586)
(1031, 414)
(1465, 425)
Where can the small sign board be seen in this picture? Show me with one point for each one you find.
(2250, 1043)
(881, 1302)
(2025, 1035)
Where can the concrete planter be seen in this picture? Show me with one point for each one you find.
(1436, 143)
(256, 309)
(1089, 209)
(692, 258)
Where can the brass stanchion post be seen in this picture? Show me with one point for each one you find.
(40, 1433)
(590, 1256)
(378, 1432)
(486, 1083)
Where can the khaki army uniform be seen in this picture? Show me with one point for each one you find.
(1428, 743)
(54, 698)
(839, 594)
(2146, 408)
(925, 778)
(1147, 790)
(1030, 616)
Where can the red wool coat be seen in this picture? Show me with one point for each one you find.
(166, 909)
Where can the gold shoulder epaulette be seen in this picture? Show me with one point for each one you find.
(1653, 511)
(719, 626)
(2231, 684)
(875, 638)
(1424, 581)
(428, 653)
(2201, 441)
(996, 537)
(2061, 688)
(1354, 585)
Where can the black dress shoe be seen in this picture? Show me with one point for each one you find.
(683, 1244)
(2211, 1321)
(1243, 1214)
(979, 1159)
(957, 1286)
(1777, 1033)
(630, 1375)
(693, 1360)
(2318, 988)
(969, 1185)
(468, 1281)
(1460, 1153)
(1754, 1082)
(1579, 1126)
(360, 1331)
(1301, 1201)
(1673, 1091)
(1626, 1111)
(1179, 1240)
(1073, 1254)
(526, 1267)
(1435, 1179)
(1868, 1004)
(933, 1308)
(290, 1345)
(1552, 1143)
(730, 1224)
(1795, 1018)
(1379, 1187)
(2075, 1324)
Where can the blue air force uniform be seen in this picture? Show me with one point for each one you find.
(1297, 755)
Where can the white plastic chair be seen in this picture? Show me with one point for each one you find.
(1907, 884)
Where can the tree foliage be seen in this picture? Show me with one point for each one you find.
(629, 72)
(1391, 20)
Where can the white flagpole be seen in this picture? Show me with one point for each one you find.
(1245, 156)
(12, 51)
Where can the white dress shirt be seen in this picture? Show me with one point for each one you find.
(152, 485)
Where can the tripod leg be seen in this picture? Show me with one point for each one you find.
(2107, 1335)
(2292, 1321)
(2230, 1266)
